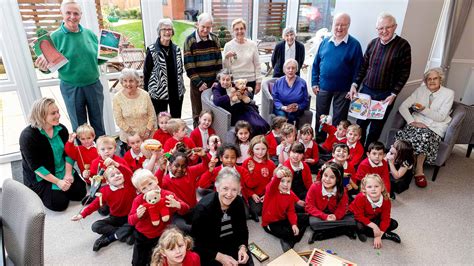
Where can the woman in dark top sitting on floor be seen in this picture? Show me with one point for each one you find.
(46, 168)
(220, 225)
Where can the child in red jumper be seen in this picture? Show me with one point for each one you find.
(260, 168)
(311, 151)
(326, 203)
(134, 156)
(371, 209)
(146, 234)
(174, 249)
(182, 180)
(273, 137)
(152, 150)
(243, 135)
(302, 178)
(177, 128)
(356, 150)
(340, 155)
(334, 135)
(161, 134)
(201, 134)
(228, 154)
(106, 148)
(288, 137)
(374, 164)
(279, 217)
(118, 195)
(86, 152)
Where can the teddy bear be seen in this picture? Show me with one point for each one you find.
(240, 91)
(156, 207)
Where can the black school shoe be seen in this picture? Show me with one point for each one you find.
(351, 233)
(101, 242)
(362, 237)
(130, 240)
(392, 236)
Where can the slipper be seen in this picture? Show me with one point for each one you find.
(420, 181)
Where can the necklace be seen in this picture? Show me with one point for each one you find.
(166, 50)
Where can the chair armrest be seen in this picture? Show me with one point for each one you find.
(447, 144)
(267, 101)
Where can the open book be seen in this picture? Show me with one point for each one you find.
(45, 46)
(108, 44)
(363, 107)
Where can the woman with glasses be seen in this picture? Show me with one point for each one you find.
(163, 72)
(220, 224)
(426, 112)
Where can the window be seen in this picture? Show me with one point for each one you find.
(224, 12)
(271, 20)
(314, 15)
(3, 71)
(12, 122)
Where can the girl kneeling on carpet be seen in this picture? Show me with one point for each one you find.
(371, 209)
(279, 217)
(326, 203)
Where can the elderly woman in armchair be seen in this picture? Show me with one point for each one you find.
(290, 93)
(426, 112)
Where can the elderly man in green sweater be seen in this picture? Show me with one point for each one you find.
(202, 61)
(80, 86)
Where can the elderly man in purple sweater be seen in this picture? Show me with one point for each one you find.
(335, 68)
(383, 74)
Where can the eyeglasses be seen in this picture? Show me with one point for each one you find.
(168, 30)
(385, 28)
(433, 79)
(341, 25)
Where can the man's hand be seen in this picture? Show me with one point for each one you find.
(203, 87)
(352, 93)
(258, 87)
(42, 63)
(316, 90)
(390, 99)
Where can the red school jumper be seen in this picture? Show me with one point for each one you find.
(331, 138)
(132, 163)
(316, 203)
(272, 144)
(278, 206)
(161, 136)
(81, 154)
(144, 225)
(119, 201)
(311, 151)
(196, 136)
(307, 177)
(260, 177)
(364, 213)
(190, 259)
(366, 168)
(355, 153)
(185, 187)
(98, 163)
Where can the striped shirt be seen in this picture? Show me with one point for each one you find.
(226, 226)
(386, 67)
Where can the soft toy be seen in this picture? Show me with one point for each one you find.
(240, 91)
(156, 207)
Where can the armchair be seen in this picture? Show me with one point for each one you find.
(268, 104)
(221, 123)
(23, 224)
(447, 143)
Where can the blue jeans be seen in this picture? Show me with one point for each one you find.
(340, 106)
(375, 126)
(83, 102)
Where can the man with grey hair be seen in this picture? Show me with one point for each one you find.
(383, 74)
(80, 85)
(335, 68)
(202, 61)
(289, 48)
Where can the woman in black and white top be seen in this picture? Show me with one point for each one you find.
(220, 225)
(163, 72)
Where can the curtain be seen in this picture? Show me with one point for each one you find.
(457, 17)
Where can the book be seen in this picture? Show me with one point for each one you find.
(45, 46)
(109, 42)
(363, 107)
(258, 252)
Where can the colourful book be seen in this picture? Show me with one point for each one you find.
(45, 46)
(363, 107)
(109, 43)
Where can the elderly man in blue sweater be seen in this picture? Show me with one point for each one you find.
(335, 68)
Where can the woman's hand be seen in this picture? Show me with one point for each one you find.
(76, 217)
(230, 54)
(418, 124)
(243, 256)
(331, 217)
(42, 63)
(63, 185)
(68, 178)
(140, 211)
(226, 260)
(258, 87)
(295, 229)
(377, 242)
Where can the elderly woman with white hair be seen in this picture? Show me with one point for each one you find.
(288, 48)
(220, 225)
(163, 71)
(46, 168)
(426, 112)
(133, 109)
(290, 93)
